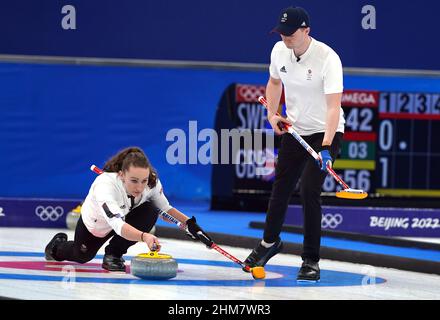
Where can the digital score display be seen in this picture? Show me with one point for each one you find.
(390, 148)
(391, 144)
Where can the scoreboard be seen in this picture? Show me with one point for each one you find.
(391, 147)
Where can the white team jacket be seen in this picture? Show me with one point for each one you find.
(107, 204)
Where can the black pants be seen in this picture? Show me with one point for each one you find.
(86, 245)
(295, 162)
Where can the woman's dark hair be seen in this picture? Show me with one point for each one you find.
(131, 156)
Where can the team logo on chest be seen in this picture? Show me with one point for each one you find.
(309, 74)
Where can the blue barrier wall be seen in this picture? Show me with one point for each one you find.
(56, 120)
(405, 36)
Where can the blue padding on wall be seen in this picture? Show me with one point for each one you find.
(231, 31)
(57, 120)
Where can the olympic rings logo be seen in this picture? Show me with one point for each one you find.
(49, 213)
(331, 221)
(249, 93)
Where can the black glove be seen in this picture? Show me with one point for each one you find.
(195, 232)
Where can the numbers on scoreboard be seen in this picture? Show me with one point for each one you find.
(435, 106)
(386, 102)
(384, 178)
(385, 135)
(360, 179)
(356, 179)
(421, 104)
(357, 150)
(394, 133)
(360, 119)
(404, 103)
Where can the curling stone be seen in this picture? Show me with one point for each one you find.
(153, 266)
(73, 217)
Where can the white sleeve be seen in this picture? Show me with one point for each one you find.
(333, 74)
(273, 70)
(106, 195)
(158, 198)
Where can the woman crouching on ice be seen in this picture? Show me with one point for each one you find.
(122, 204)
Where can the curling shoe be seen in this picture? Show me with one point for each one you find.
(113, 263)
(50, 251)
(261, 255)
(309, 271)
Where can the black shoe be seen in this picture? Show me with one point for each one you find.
(309, 271)
(260, 255)
(113, 263)
(49, 252)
